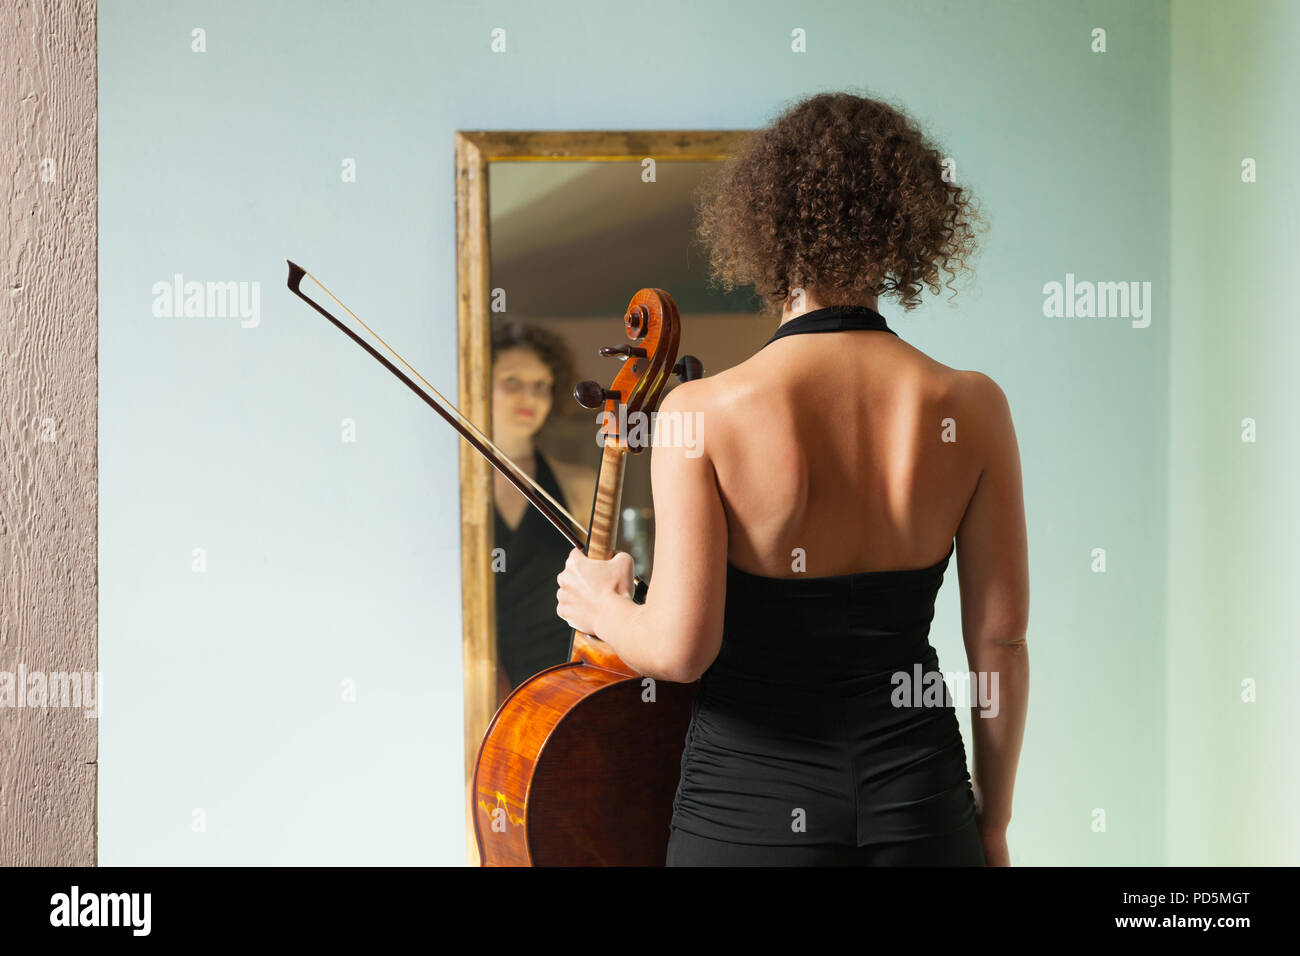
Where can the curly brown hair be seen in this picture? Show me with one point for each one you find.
(547, 346)
(842, 196)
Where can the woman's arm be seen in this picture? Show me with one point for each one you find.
(677, 633)
(993, 571)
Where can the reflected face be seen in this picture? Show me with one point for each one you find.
(521, 392)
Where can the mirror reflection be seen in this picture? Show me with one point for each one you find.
(570, 243)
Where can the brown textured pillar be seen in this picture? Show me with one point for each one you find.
(48, 417)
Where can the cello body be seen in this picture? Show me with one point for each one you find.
(578, 769)
(580, 764)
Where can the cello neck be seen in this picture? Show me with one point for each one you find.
(602, 540)
(601, 544)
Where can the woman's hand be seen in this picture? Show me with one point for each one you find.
(587, 585)
(994, 841)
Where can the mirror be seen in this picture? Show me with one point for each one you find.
(556, 232)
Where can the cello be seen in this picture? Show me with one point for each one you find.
(580, 764)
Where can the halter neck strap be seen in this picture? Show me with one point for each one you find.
(833, 318)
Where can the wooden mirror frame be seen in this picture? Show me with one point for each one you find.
(474, 150)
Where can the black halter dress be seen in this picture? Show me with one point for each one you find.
(530, 635)
(798, 752)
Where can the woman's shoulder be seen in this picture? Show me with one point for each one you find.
(571, 471)
(715, 391)
(972, 388)
(745, 385)
(576, 480)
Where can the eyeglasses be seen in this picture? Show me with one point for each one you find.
(513, 386)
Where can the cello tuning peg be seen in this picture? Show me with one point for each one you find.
(629, 351)
(592, 394)
(688, 368)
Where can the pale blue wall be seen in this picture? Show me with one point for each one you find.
(330, 561)
(1233, 773)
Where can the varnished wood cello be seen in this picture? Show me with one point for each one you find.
(580, 764)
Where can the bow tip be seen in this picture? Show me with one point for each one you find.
(296, 272)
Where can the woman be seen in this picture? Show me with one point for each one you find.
(798, 557)
(530, 371)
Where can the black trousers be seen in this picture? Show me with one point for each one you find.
(953, 849)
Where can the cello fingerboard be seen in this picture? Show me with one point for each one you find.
(601, 541)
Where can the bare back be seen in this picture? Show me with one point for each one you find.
(851, 445)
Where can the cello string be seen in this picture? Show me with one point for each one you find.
(455, 411)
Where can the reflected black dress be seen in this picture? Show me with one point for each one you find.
(803, 749)
(530, 635)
